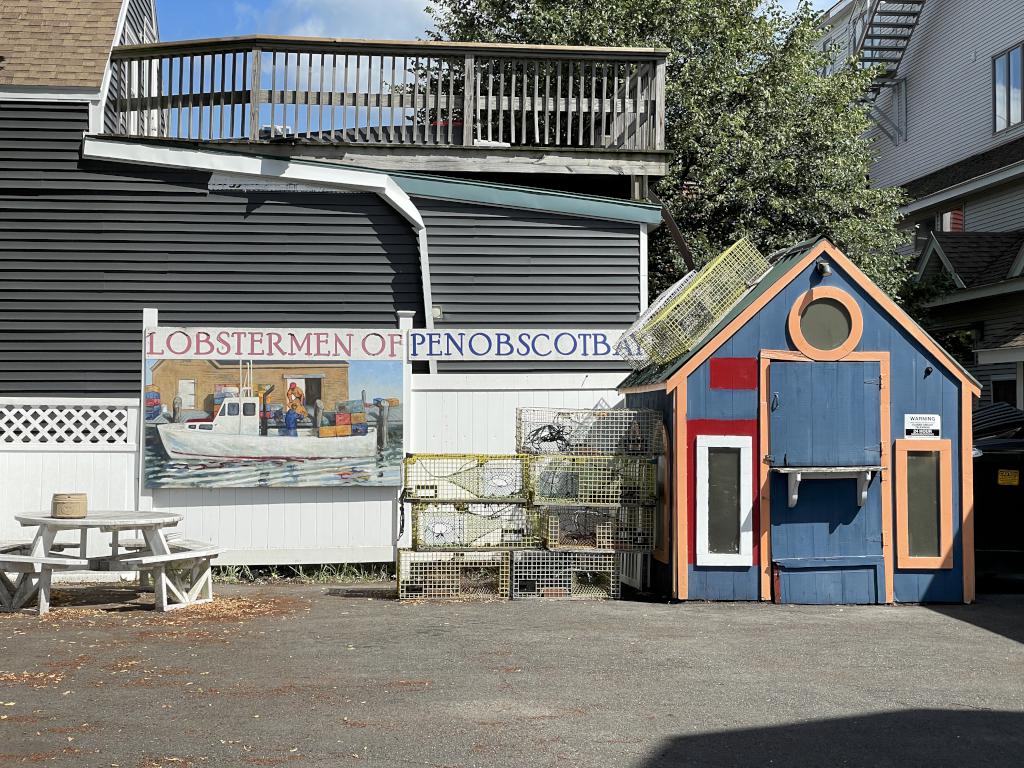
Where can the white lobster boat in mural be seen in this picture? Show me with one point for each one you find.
(235, 434)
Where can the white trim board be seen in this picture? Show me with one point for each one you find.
(461, 382)
(746, 447)
(991, 356)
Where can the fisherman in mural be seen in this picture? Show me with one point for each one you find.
(296, 399)
(291, 421)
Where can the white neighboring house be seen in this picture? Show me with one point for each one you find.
(950, 130)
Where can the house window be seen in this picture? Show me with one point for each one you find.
(952, 220)
(725, 512)
(924, 504)
(1007, 79)
(1004, 390)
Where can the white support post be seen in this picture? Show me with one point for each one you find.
(405, 318)
(144, 498)
(643, 268)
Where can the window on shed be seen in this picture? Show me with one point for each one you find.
(1007, 82)
(924, 504)
(724, 500)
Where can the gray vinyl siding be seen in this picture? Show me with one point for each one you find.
(509, 268)
(948, 71)
(84, 247)
(503, 268)
(999, 211)
(996, 316)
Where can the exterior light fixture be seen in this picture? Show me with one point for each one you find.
(824, 268)
(436, 312)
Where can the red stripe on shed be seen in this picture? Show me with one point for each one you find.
(742, 427)
(734, 373)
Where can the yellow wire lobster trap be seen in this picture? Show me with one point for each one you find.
(474, 526)
(681, 316)
(589, 432)
(453, 575)
(622, 529)
(567, 575)
(592, 481)
(469, 477)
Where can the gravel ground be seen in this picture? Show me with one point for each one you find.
(300, 675)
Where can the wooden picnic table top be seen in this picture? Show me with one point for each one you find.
(110, 520)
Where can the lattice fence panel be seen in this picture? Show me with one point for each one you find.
(465, 477)
(592, 481)
(56, 425)
(472, 526)
(565, 574)
(452, 575)
(582, 432)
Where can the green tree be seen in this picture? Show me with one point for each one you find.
(761, 144)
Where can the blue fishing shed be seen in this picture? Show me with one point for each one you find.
(820, 448)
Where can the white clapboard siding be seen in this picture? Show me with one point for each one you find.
(464, 413)
(476, 413)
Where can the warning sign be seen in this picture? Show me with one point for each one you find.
(1008, 477)
(922, 425)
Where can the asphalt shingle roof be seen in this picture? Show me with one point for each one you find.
(981, 258)
(56, 43)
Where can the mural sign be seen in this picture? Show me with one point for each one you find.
(272, 407)
(538, 344)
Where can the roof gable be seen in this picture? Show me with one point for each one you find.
(789, 265)
(976, 258)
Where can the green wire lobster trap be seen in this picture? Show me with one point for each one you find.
(567, 575)
(594, 432)
(469, 477)
(682, 315)
(470, 526)
(453, 575)
(622, 529)
(592, 481)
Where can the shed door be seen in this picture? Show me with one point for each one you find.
(825, 414)
(825, 549)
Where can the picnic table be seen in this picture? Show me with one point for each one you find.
(180, 568)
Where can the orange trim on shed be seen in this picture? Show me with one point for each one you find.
(796, 332)
(945, 556)
(967, 490)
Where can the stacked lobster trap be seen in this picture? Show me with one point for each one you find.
(553, 520)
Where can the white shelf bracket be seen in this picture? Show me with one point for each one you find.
(863, 479)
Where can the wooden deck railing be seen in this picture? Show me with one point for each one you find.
(388, 92)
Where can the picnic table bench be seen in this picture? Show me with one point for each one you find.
(179, 568)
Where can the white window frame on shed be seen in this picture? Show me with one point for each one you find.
(745, 444)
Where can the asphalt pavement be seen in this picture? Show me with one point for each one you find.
(303, 675)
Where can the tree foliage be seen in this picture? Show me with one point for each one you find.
(761, 144)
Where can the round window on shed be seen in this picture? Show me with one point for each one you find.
(826, 324)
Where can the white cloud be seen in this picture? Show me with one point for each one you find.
(375, 19)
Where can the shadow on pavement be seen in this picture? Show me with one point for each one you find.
(1001, 614)
(917, 737)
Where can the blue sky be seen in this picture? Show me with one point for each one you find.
(379, 19)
